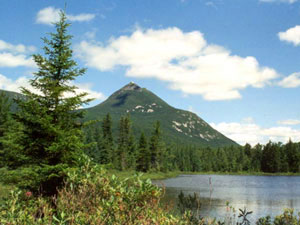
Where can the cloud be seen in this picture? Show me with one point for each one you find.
(253, 134)
(211, 4)
(50, 15)
(291, 81)
(291, 35)
(5, 46)
(289, 122)
(184, 60)
(15, 55)
(11, 60)
(14, 85)
(279, 1)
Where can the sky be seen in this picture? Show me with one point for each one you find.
(235, 63)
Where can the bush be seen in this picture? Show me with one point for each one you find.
(90, 196)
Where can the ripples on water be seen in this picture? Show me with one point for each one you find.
(264, 195)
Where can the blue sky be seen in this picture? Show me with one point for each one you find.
(234, 63)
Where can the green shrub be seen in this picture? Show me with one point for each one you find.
(90, 196)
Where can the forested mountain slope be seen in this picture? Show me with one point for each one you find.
(144, 108)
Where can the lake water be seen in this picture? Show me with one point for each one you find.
(264, 195)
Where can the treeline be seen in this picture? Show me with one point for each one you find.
(145, 153)
(269, 158)
(126, 151)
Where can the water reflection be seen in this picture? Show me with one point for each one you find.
(264, 195)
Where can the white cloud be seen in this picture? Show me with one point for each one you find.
(291, 81)
(184, 60)
(15, 55)
(86, 87)
(289, 122)
(14, 85)
(5, 46)
(252, 133)
(291, 35)
(211, 4)
(12, 60)
(283, 1)
(50, 15)
(81, 17)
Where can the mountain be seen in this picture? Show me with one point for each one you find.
(144, 107)
(12, 95)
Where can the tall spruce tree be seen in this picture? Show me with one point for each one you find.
(52, 139)
(126, 147)
(107, 145)
(156, 147)
(143, 156)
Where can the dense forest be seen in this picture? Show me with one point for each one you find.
(150, 153)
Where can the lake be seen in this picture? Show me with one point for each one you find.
(264, 195)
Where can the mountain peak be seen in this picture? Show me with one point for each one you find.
(145, 108)
(131, 87)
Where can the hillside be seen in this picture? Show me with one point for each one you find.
(12, 95)
(144, 107)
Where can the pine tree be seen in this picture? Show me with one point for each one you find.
(10, 136)
(125, 153)
(143, 157)
(107, 144)
(156, 147)
(4, 115)
(53, 139)
(90, 139)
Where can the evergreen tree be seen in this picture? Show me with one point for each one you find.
(107, 147)
(52, 139)
(143, 157)
(106, 128)
(90, 139)
(126, 148)
(256, 158)
(4, 115)
(10, 136)
(270, 158)
(156, 147)
(292, 156)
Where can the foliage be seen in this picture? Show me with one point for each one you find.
(90, 196)
(11, 134)
(52, 136)
(143, 155)
(125, 152)
(190, 204)
(287, 218)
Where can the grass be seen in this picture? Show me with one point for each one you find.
(166, 175)
(144, 176)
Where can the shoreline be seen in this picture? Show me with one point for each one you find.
(173, 174)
